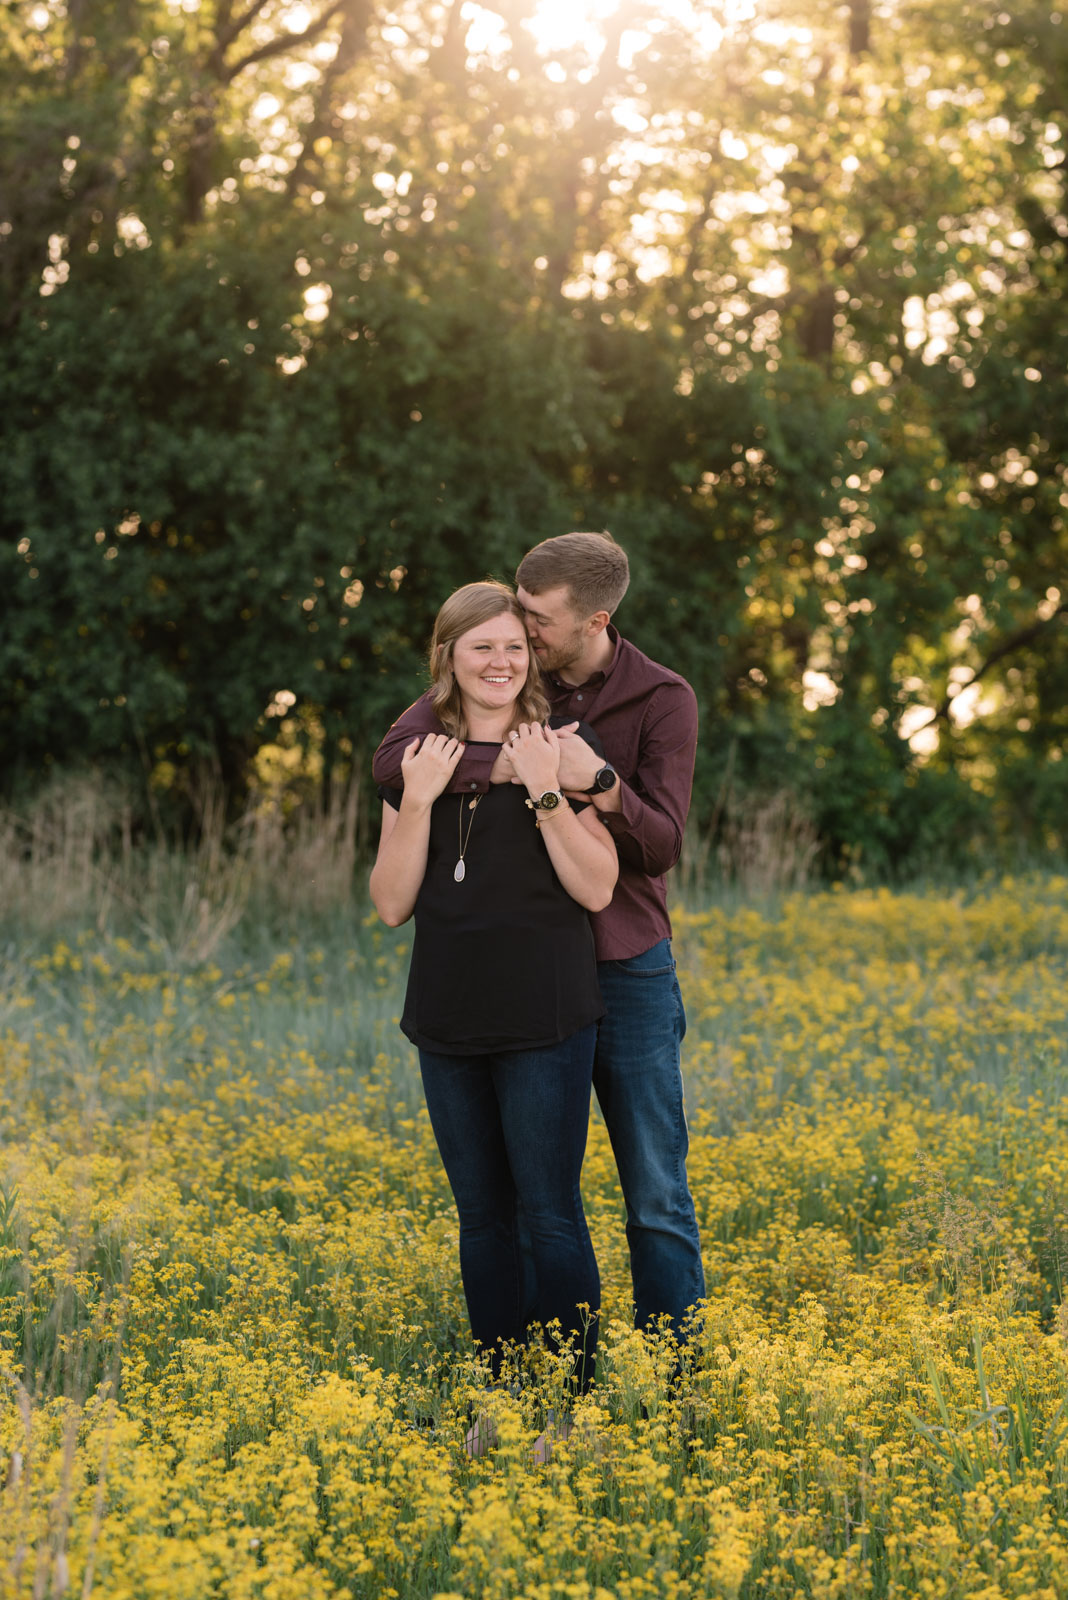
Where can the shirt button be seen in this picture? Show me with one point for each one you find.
(472, 785)
(578, 697)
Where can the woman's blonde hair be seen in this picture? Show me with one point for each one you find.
(465, 609)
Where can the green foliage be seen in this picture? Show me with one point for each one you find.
(310, 315)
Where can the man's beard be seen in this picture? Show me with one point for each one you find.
(557, 658)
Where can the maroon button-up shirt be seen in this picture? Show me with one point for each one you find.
(646, 718)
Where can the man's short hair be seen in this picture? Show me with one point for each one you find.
(594, 568)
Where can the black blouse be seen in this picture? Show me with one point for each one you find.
(503, 960)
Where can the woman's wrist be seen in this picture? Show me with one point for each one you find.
(541, 817)
(416, 804)
(536, 787)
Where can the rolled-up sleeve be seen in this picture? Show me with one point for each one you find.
(648, 830)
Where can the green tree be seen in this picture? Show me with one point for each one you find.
(312, 312)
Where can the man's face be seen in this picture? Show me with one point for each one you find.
(557, 635)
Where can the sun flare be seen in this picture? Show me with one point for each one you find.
(562, 24)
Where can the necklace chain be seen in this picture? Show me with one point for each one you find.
(459, 871)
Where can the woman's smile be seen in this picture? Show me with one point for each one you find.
(490, 664)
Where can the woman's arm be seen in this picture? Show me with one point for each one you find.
(400, 866)
(580, 847)
(583, 854)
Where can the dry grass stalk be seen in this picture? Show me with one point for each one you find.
(308, 858)
(769, 847)
(50, 854)
(72, 857)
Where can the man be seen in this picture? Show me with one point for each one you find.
(646, 719)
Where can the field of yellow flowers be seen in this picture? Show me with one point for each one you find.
(233, 1348)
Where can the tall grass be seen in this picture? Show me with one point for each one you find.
(233, 1348)
(73, 857)
(83, 852)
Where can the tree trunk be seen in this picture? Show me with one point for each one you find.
(859, 27)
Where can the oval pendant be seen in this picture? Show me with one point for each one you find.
(459, 871)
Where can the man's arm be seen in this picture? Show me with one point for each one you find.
(646, 813)
(474, 768)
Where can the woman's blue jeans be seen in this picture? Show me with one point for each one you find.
(511, 1128)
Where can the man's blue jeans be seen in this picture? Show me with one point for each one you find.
(638, 1080)
(511, 1129)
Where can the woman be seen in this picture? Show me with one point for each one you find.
(502, 997)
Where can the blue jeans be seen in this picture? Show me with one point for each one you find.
(638, 1080)
(511, 1129)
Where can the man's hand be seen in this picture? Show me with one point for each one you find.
(502, 770)
(579, 765)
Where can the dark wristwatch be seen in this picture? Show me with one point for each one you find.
(604, 780)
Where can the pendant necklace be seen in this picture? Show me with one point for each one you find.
(459, 871)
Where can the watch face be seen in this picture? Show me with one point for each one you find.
(605, 778)
(549, 800)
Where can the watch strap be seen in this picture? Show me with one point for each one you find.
(603, 780)
(548, 800)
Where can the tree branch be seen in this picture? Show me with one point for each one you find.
(232, 28)
(284, 42)
(696, 230)
(1007, 647)
(353, 35)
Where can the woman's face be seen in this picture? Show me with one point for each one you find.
(490, 663)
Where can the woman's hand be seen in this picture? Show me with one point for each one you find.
(427, 765)
(534, 754)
